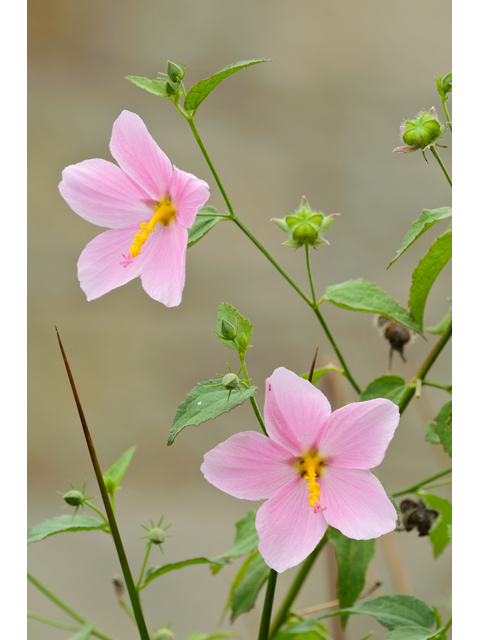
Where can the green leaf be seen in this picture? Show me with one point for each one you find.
(443, 427)
(318, 373)
(62, 524)
(112, 476)
(202, 225)
(428, 218)
(238, 578)
(353, 558)
(200, 91)
(307, 629)
(393, 612)
(84, 632)
(231, 315)
(431, 435)
(211, 636)
(360, 295)
(441, 327)
(390, 387)
(246, 538)
(249, 586)
(206, 402)
(411, 633)
(156, 572)
(153, 86)
(440, 532)
(426, 273)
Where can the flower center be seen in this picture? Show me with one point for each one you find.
(310, 470)
(164, 214)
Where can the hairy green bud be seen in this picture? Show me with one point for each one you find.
(163, 633)
(230, 381)
(305, 226)
(175, 73)
(171, 88)
(156, 535)
(227, 329)
(74, 498)
(444, 85)
(423, 131)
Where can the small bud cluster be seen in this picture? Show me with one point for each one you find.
(305, 226)
(444, 85)
(173, 78)
(422, 132)
(229, 332)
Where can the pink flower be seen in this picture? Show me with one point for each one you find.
(146, 202)
(313, 469)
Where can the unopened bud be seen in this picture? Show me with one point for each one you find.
(175, 73)
(305, 226)
(164, 633)
(156, 535)
(421, 132)
(171, 88)
(444, 85)
(74, 498)
(243, 341)
(230, 381)
(227, 329)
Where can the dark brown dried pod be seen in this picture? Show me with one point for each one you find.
(417, 516)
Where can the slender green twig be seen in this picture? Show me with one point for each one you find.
(297, 584)
(51, 623)
(435, 485)
(266, 253)
(421, 484)
(437, 385)
(267, 606)
(73, 614)
(447, 115)
(142, 570)
(438, 159)
(89, 504)
(425, 368)
(307, 254)
(253, 402)
(132, 592)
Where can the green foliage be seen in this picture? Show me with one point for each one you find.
(84, 632)
(62, 524)
(441, 327)
(353, 558)
(318, 373)
(246, 540)
(431, 435)
(360, 295)
(442, 428)
(394, 612)
(202, 225)
(440, 533)
(156, 572)
(307, 629)
(205, 402)
(112, 476)
(200, 91)
(390, 387)
(428, 218)
(411, 633)
(426, 273)
(152, 86)
(211, 636)
(241, 325)
(248, 587)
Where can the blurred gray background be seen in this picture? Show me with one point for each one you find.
(322, 120)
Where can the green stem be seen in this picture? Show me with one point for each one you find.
(297, 584)
(89, 504)
(425, 368)
(132, 592)
(419, 485)
(437, 158)
(447, 115)
(142, 570)
(269, 257)
(314, 299)
(435, 485)
(73, 614)
(267, 606)
(253, 402)
(437, 385)
(51, 623)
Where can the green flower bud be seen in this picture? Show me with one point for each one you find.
(444, 85)
(156, 535)
(227, 329)
(243, 342)
(74, 498)
(171, 88)
(163, 633)
(423, 131)
(305, 226)
(230, 381)
(109, 485)
(175, 73)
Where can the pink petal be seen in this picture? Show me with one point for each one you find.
(405, 149)
(139, 156)
(99, 268)
(249, 465)
(287, 526)
(356, 503)
(163, 277)
(357, 435)
(188, 194)
(102, 193)
(295, 411)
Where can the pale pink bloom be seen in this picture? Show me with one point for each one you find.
(313, 469)
(146, 202)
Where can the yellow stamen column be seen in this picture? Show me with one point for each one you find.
(164, 214)
(310, 469)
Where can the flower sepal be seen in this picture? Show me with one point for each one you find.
(305, 226)
(422, 132)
